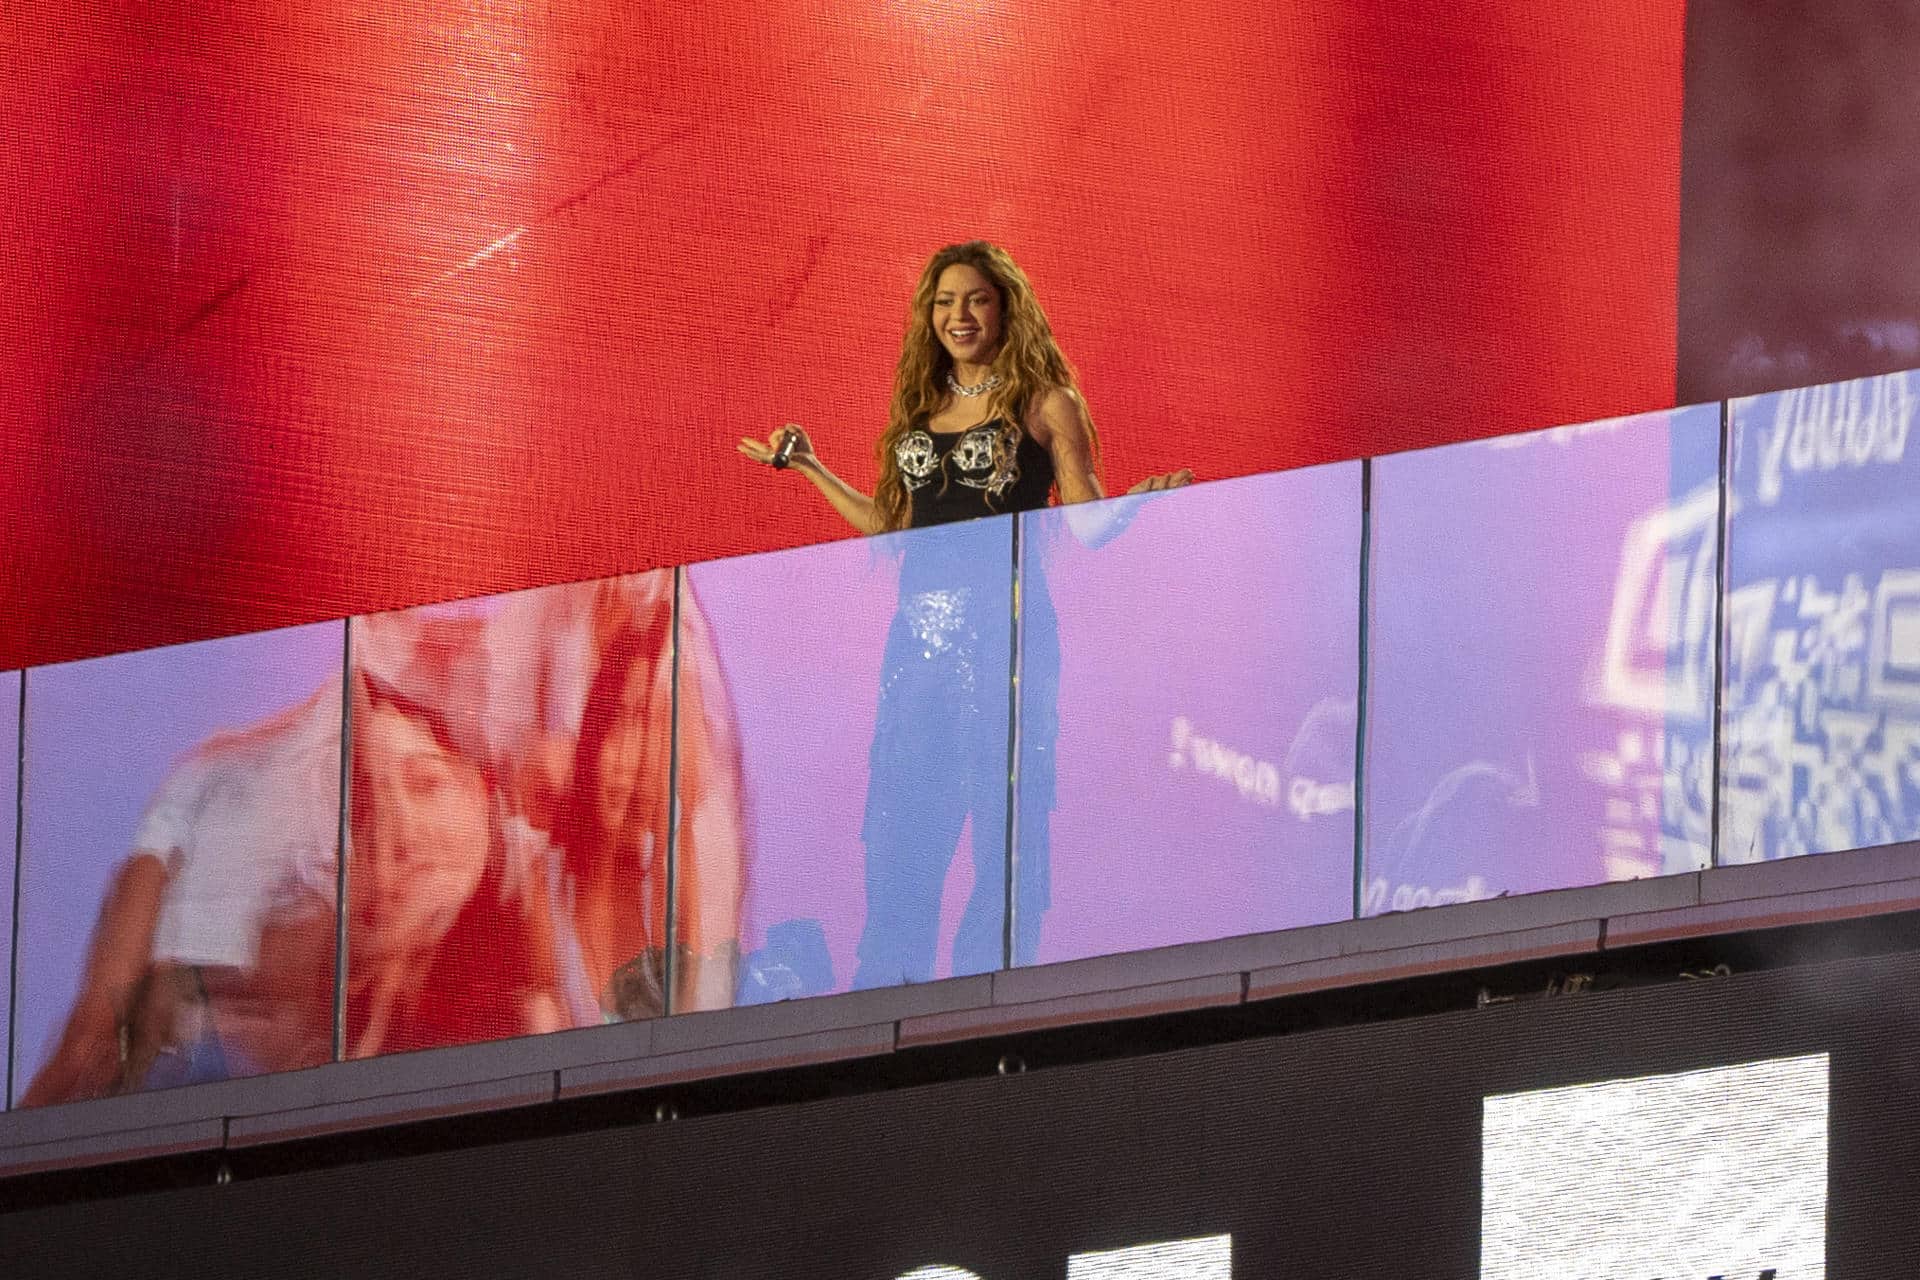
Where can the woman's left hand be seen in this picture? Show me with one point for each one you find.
(1171, 480)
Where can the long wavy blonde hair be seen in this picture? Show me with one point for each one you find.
(1028, 362)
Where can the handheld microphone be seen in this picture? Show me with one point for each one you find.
(783, 456)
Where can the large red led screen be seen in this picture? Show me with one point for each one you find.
(313, 311)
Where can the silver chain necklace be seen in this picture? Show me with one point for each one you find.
(977, 389)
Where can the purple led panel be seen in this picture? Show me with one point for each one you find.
(1539, 661)
(179, 864)
(9, 845)
(1188, 670)
(868, 684)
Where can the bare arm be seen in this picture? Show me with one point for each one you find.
(1060, 423)
(855, 507)
(89, 1059)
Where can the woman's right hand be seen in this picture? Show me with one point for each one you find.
(762, 452)
(855, 508)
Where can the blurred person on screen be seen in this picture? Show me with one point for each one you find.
(506, 875)
(986, 419)
(581, 702)
(450, 936)
(213, 953)
(552, 721)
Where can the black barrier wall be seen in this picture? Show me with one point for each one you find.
(1788, 1136)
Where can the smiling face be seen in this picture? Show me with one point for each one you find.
(967, 314)
(620, 767)
(420, 831)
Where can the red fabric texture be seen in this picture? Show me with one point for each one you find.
(308, 314)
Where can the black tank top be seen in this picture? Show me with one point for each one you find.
(951, 475)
